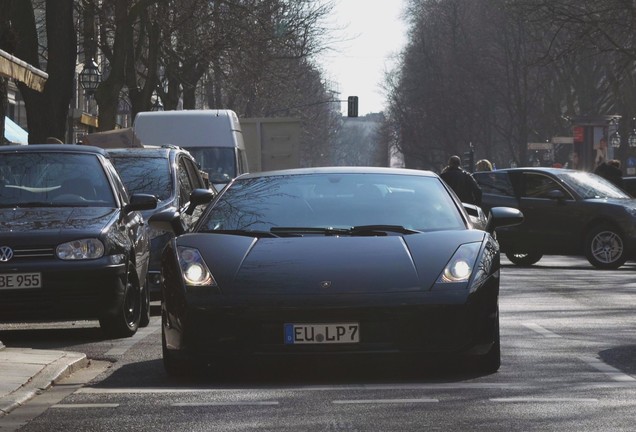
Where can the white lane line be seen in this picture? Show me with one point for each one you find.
(229, 403)
(542, 400)
(383, 401)
(124, 345)
(345, 388)
(613, 373)
(82, 406)
(541, 330)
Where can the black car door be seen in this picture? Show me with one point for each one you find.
(550, 223)
(497, 189)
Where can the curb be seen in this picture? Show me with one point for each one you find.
(51, 374)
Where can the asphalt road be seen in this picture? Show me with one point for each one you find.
(568, 364)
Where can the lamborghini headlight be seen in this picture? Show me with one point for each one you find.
(461, 265)
(194, 270)
(82, 249)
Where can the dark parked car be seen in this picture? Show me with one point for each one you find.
(332, 261)
(171, 174)
(73, 244)
(566, 212)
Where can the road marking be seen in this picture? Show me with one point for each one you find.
(541, 330)
(383, 401)
(85, 405)
(229, 403)
(123, 346)
(613, 373)
(346, 388)
(542, 400)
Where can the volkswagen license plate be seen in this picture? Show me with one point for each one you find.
(322, 333)
(20, 280)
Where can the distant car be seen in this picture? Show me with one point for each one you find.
(171, 174)
(566, 212)
(332, 261)
(73, 244)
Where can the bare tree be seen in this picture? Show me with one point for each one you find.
(47, 111)
(500, 74)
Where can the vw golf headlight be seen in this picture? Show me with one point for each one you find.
(82, 249)
(461, 265)
(194, 270)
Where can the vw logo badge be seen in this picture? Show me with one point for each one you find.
(325, 284)
(6, 253)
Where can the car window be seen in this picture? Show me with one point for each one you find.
(54, 179)
(494, 182)
(185, 183)
(119, 185)
(150, 175)
(339, 200)
(589, 185)
(537, 185)
(218, 162)
(193, 173)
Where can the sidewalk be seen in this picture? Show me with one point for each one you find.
(26, 372)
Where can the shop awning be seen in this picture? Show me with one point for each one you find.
(14, 133)
(14, 68)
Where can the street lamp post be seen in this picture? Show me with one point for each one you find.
(90, 77)
(631, 140)
(615, 140)
(157, 105)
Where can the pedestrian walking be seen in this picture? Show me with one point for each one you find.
(483, 165)
(461, 181)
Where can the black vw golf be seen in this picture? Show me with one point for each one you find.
(333, 261)
(72, 243)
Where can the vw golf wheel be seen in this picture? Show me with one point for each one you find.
(125, 321)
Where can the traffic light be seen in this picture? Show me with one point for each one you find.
(352, 106)
(468, 160)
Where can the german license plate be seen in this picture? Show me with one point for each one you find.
(20, 280)
(322, 333)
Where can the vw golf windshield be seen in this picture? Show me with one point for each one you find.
(50, 179)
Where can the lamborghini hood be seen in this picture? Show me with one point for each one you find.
(316, 264)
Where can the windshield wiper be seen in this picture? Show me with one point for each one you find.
(361, 230)
(300, 231)
(248, 233)
(36, 204)
(373, 230)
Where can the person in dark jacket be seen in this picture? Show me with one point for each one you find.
(462, 182)
(611, 170)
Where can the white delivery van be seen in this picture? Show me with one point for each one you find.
(213, 137)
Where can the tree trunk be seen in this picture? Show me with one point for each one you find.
(47, 111)
(62, 58)
(3, 106)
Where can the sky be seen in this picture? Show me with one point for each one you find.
(371, 34)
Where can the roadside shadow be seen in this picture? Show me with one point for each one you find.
(52, 336)
(56, 334)
(621, 358)
(268, 373)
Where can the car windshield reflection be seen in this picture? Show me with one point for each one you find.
(54, 180)
(590, 186)
(319, 203)
(149, 175)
